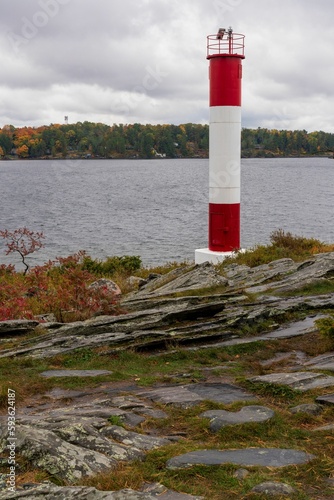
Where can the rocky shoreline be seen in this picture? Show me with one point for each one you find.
(189, 309)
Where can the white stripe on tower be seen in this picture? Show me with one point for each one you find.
(224, 144)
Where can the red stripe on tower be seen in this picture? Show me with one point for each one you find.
(225, 54)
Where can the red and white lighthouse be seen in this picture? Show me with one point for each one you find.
(225, 52)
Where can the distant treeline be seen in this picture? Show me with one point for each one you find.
(97, 140)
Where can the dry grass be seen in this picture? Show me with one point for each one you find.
(282, 245)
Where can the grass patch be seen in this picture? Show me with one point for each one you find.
(282, 245)
(320, 287)
(217, 482)
(273, 391)
(180, 366)
(22, 375)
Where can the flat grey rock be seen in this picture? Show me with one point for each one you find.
(323, 362)
(328, 427)
(88, 411)
(134, 439)
(46, 422)
(127, 402)
(327, 399)
(148, 412)
(266, 457)
(17, 326)
(180, 280)
(173, 495)
(310, 409)
(293, 275)
(302, 381)
(295, 357)
(74, 373)
(47, 451)
(241, 474)
(158, 490)
(85, 436)
(274, 489)
(222, 418)
(295, 329)
(53, 492)
(192, 394)
(58, 393)
(73, 493)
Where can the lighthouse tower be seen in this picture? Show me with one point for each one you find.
(225, 51)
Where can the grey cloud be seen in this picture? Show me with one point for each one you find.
(130, 60)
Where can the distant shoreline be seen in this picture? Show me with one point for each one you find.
(162, 159)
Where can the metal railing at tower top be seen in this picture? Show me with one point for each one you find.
(226, 42)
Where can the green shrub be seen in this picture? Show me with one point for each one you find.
(126, 263)
(288, 241)
(326, 327)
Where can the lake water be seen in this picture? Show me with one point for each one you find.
(157, 209)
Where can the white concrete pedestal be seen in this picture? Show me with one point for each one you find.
(206, 255)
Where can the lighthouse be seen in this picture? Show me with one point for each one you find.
(225, 52)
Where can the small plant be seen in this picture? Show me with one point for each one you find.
(116, 420)
(22, 241)
(326, 328)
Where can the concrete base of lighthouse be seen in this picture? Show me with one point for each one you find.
(206, 255)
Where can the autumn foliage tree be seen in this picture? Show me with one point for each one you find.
(80, 139)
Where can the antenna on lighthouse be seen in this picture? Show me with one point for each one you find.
(225, 54)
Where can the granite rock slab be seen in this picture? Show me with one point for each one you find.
(186, 396)
(274, 489)
(329, 427)
(47, 451)
(310, 409)
(222, 418)
(134, 439)
(74, 373)
(180, 280)
(17, 326)
(265, 457)
(295, 329)
(302, 381)
(53, 492)
(323, 362)
(327, 399)
(129, 418)
(85, 436)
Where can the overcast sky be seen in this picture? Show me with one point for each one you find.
(126, 61)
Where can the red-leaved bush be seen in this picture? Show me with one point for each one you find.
(60, 287)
